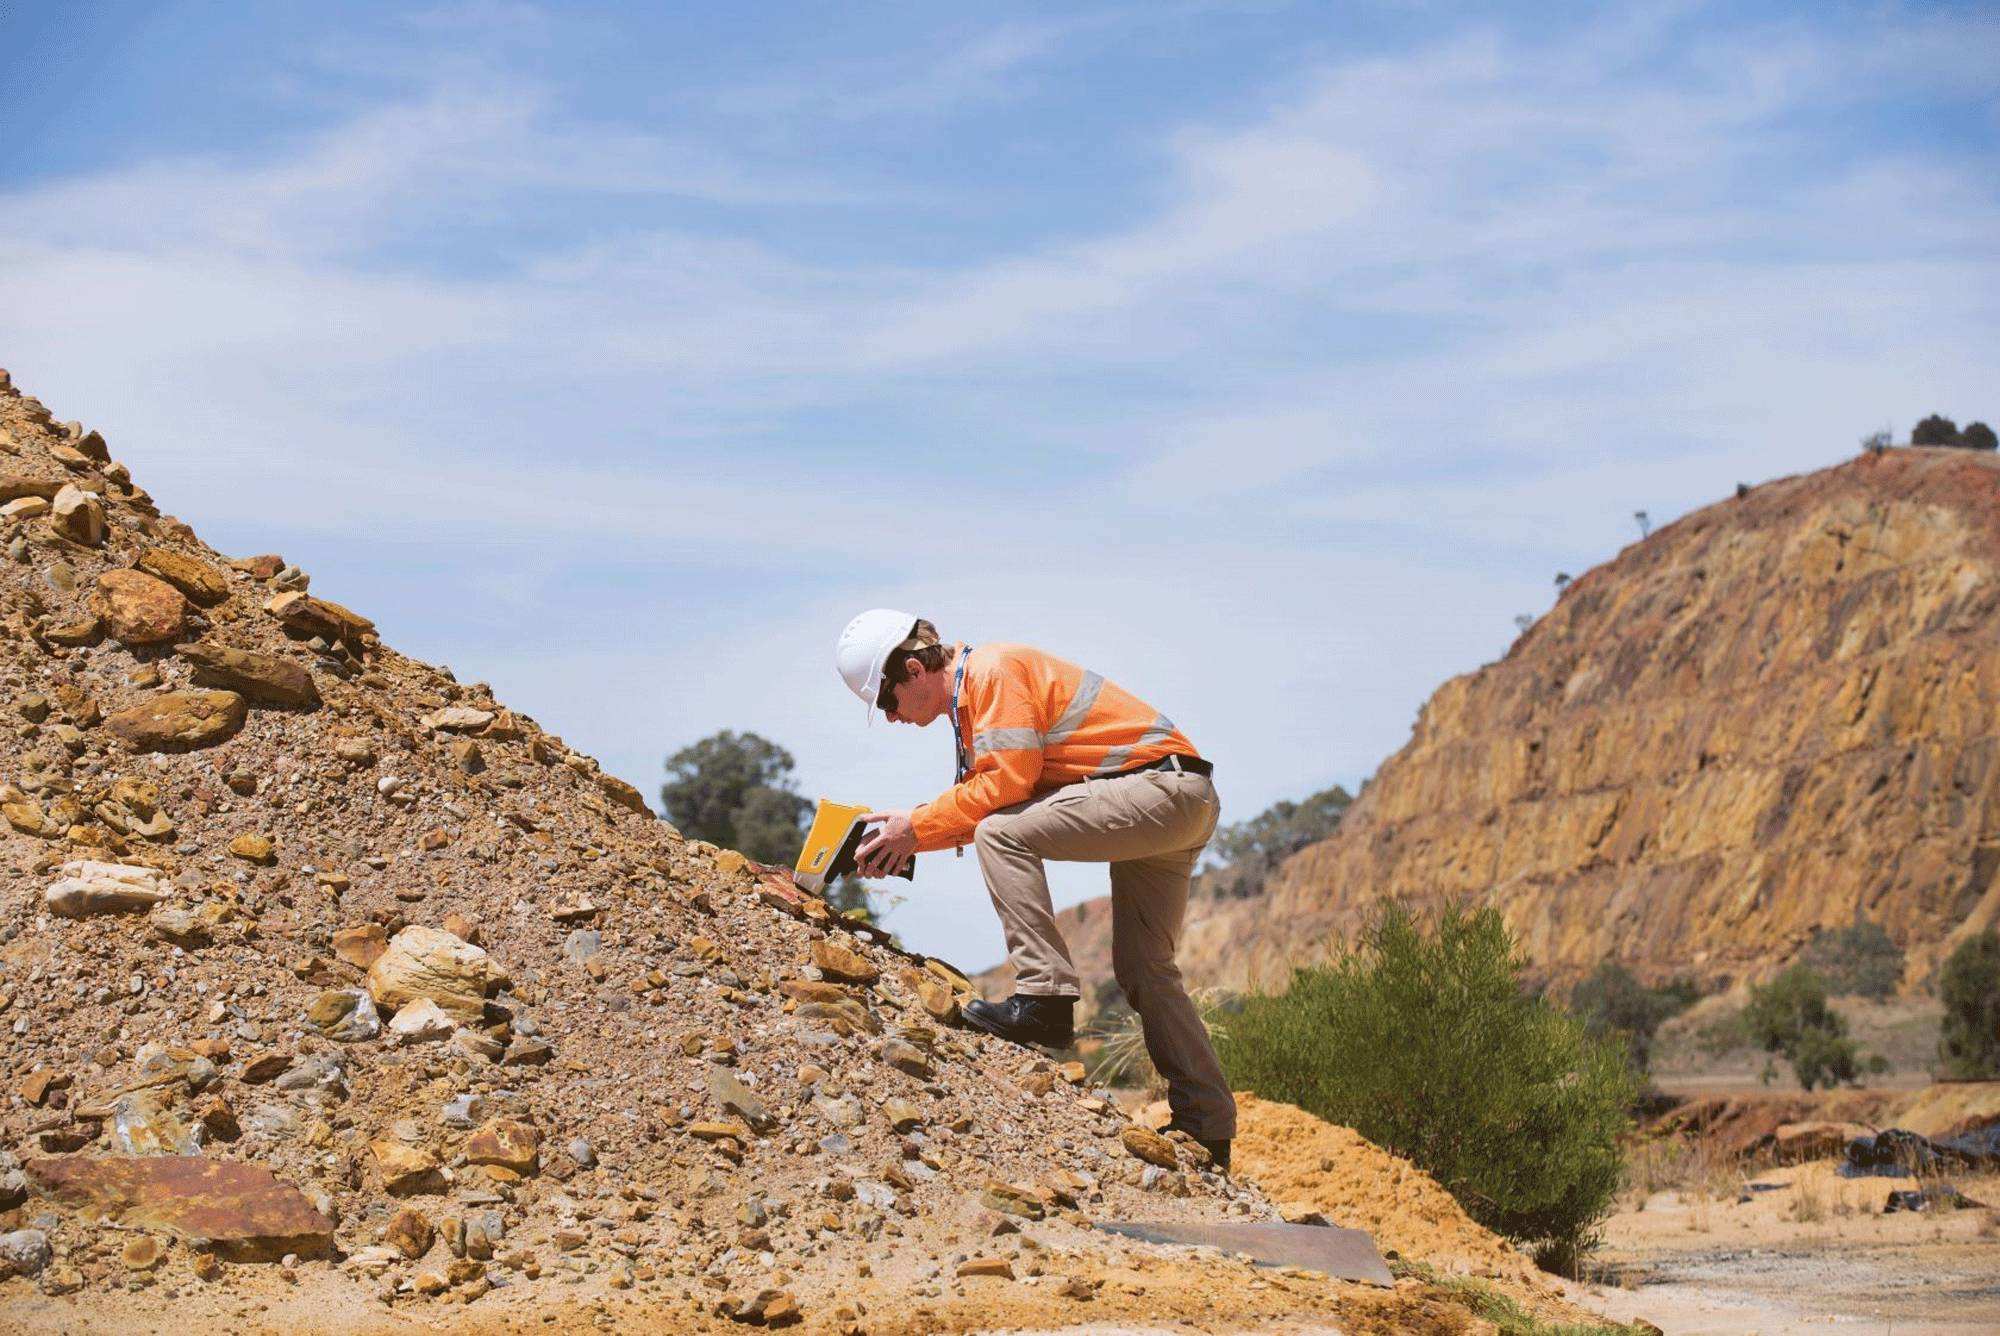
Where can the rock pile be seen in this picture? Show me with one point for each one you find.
(311, 953)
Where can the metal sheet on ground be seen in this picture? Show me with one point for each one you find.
(1344, 1254)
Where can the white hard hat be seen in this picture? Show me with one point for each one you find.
(864, 649)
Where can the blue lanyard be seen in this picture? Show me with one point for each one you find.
(961, 762)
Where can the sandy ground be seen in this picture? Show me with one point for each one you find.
(1802, 1250)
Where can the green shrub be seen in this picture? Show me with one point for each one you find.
(1420, 1038)
(1860, 959)
(1789, 1016)
(1614, 1005)
(1934, 430)
(1969, 984)
(1978, 436)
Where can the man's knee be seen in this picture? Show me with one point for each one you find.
(995, 831)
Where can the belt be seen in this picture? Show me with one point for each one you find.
(1190, 765)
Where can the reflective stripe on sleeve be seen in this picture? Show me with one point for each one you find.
(1006, 739)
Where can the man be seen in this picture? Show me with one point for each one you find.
(1054, 762)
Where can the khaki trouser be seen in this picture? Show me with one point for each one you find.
(1151, 828)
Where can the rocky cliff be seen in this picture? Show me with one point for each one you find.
(1770, 716)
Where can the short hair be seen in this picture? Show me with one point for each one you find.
(922, 644)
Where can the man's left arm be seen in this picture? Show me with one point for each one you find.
(1007, 761)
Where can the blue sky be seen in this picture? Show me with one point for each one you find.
(1269, 358)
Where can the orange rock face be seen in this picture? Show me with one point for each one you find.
(247, 1212)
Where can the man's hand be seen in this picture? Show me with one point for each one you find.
(884, 853)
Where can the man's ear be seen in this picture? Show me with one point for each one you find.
(912, 669)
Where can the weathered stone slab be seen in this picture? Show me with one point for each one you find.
(195, 578)
(89, 887)
(261, 677)
(176, 721)
(245, 1211)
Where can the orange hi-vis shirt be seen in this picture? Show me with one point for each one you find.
(1032, 723)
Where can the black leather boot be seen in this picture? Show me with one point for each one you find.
(1021, 1019)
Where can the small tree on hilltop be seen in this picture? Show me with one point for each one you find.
(1978, 436)
(736, 790)
(1789, 1016)
(1420, 1038)
(1935, 430)
(1969, 984)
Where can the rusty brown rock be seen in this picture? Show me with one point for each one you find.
(410, 1233)
(243, 1210)
(814, 990)
(404, 1169)
(623, 794)
(261, 567)
(504, 1142)
(139, 609)
(253, 848)
(318, 617)
(1144, 1144)
(176, 721)
(987, 1266)
(14, 486)
(841, 963)
(195, 578)
(261, 677)
(361, 946)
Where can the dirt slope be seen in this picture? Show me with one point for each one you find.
(246, 845)
(1771, 715)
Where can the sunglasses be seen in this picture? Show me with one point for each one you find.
(885, 699)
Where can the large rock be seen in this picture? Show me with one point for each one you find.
(623, 794)
(13, 487)
(838, 961)
(458, 719)
(427, 962)
(177, 721)
(87, 887)
(139, 609)
(193, 577)
(506, 1143)
(318, 617)
(78, 516)
(242, 1210)
(261, 677)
